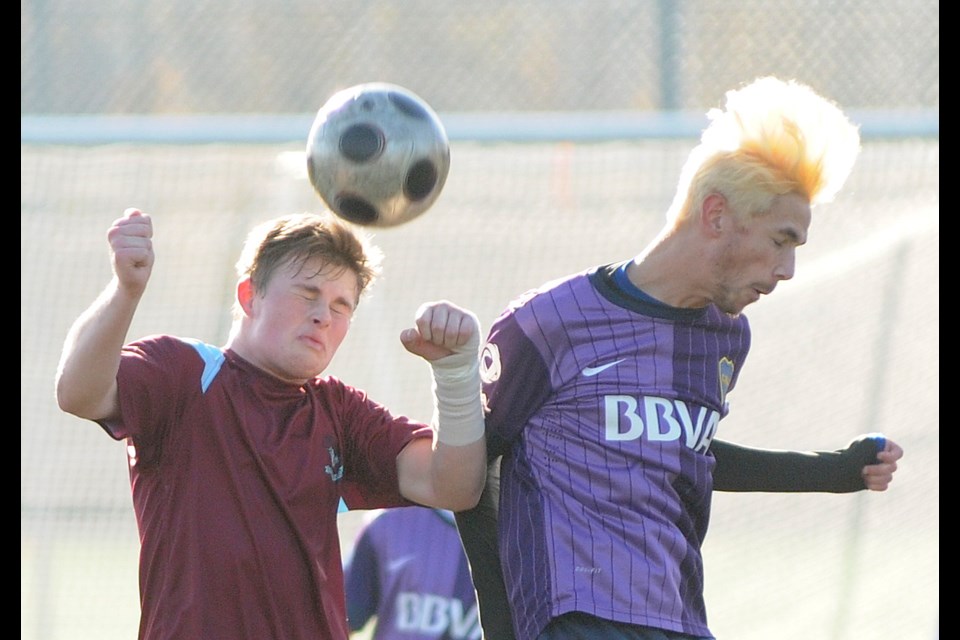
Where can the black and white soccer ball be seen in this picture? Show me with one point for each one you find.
(377, 154)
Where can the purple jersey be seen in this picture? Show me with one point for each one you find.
(408, 569)
(236, 478)
(606, 402)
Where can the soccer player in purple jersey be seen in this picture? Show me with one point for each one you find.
(408, 571)
(604, 390)
(239, 456)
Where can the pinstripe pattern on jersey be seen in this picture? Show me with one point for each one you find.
(605, 493)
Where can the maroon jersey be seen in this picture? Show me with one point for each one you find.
(236, 478)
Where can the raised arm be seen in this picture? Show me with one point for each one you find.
(449, 471)
(86, 383)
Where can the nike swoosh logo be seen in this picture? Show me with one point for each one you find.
(396, 565)
(589, 372)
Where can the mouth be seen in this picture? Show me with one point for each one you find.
(314, 343)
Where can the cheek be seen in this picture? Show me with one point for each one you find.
(340, 328)
(733, 258)
(746, 261)
(756, 256)
(288, 314)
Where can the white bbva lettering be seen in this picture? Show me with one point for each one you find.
(431, 614)
(464, 625)
(662, 420)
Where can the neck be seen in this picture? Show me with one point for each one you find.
(669, 269)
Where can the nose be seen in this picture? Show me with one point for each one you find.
(322, 314)
(786, 266)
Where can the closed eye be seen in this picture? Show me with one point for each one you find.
(340, 306)
(309, 295)
(787, 236)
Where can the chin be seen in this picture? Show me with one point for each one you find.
(729, 307)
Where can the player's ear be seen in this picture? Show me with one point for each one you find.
(712, 214)
(245, 295)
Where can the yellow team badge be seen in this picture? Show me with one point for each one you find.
(725, 367)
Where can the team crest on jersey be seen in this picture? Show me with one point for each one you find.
(725, 367)
(490, 363)
(335, 468)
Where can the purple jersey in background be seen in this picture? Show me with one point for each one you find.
(409, 570)
(607, 401)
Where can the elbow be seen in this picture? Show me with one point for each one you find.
(473, 489)
(462, 504)
(469, 497)
(64, 390)
(72, 400)
(467, 501)
(460, 494)
(69, 402)
(65, 399)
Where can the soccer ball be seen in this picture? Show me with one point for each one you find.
(377, 154)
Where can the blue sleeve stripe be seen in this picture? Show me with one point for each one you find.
(212, 358)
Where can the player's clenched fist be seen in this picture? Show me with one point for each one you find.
(448, 337)
(877, 477)
(442, 329)
(131, 246)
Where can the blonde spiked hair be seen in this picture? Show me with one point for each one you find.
(772, 138)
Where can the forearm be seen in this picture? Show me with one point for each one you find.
(459, 464)
(742, 468)
(87, 374)
(458, 474)
(449, 472)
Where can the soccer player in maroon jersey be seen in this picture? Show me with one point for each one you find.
(604, 390)
(239, 456)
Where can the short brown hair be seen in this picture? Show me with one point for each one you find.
(299, 238)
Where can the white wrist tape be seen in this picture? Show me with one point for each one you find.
(458, 412)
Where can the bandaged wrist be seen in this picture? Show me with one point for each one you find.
(458, 412)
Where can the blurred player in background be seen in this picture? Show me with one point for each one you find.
(604, 390)
(239, 456)
(409, 572)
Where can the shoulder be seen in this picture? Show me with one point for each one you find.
(172, 360)
(545, 304)
(168, 344)
(172, 351)
(549, 288)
